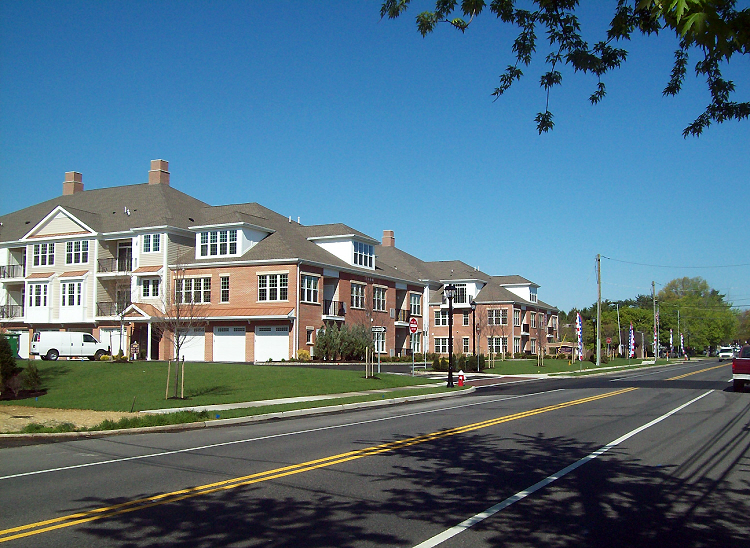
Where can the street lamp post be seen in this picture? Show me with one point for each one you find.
(474, 331)
(450, 292)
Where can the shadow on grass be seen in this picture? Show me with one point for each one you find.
(421, 490)
(210, 391)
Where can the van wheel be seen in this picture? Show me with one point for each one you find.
(52, 354)
(98, 355)
(739, 385)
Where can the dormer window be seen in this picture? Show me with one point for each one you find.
(218, 243)
(363, 255)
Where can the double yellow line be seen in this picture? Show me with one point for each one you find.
(175, 496)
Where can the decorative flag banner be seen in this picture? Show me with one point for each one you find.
(670, 341)
(579, 334)
(682, 344)
(656, 343)
(631, 353)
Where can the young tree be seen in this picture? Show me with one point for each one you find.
(183, 311)
(712, 27)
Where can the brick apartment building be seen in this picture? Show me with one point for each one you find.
(113, 262)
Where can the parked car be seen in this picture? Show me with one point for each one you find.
(726, 353)
(741, 369)
(50, 345)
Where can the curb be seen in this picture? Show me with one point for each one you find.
(17, 440)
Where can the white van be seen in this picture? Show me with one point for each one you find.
(50, 345)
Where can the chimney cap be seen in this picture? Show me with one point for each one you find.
(159, 173)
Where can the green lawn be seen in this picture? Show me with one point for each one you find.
(106, 386)
(520, 367)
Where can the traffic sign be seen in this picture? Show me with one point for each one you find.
(378, 329)
(413, 325)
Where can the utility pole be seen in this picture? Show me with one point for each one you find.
(598, 308)
(619, 331)
(656, 339)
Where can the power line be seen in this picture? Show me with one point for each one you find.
(673, 266)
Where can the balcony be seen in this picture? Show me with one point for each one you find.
(115, 265)
(402, 316)
(108, 308)
(11, 271)
(11, 311)
(333, 309)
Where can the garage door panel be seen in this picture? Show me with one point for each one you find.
(193, 348)
(271, 343)
(229, 344)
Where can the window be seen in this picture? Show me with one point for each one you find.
(218, 243)
(460, 297)
(532, 297)
(44, 254)
(441, 317)
(273, 287)
(466, 318)
(378, 340)
(77, 252)
(497, 344)
(151, 243)
(533, 320)
(415, 304)
(193, 290)
(416, 343)
(150, 287)
(310, 332)
(224, 297)
(37, 295)
(70, 293)
(358, 296)
(378, 298)
(441, 345)
(533, 346)
(363, 254)
(516, 345)
(466, 345)
(497, 317)
(309, 289)
(517, 318)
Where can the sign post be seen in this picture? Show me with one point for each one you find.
(413, 326)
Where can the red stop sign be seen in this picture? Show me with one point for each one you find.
(413, 325)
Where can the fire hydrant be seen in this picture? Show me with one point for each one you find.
(461, 378)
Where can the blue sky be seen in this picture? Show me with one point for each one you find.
(322, 111)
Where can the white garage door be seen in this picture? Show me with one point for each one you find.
(194, 345)
(271, 343)
(111, 337)
(229, 344)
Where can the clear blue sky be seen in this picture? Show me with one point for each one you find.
(322, 111)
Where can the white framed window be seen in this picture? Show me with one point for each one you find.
(416, 343)
(532, 297)
(441, 317)
(466, 318)
(461, 296)
(497, 316)
(516, 317)
(378, 298)
(38, 295)
(70, 293)
(441, 345)
(466, 348)
(532, 319)
(415, 304)
(497, 344)
(77, 252)
(532, 344)
(273, 287)
(309, 289)
(44, 254)
(151, 243)
(516, 345)
(224, 289)
(193, 290)
(363, 254)
(217, 243)
(310, 335)
(378, 340)
(358, 295)
(150, 287)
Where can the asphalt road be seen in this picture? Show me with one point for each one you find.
(654, 457)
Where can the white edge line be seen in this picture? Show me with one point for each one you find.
(464, 525)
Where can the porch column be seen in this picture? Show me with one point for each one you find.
(148, 344)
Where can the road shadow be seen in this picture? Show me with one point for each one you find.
(612, 501)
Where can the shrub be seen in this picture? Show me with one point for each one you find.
(31, 379)
(436, 362)
(105, 358)
(8, 368)
(303, 355)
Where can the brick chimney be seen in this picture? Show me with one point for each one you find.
(389, 240)
(159, 174)
(73, 183)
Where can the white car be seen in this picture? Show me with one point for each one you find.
(726, 353)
